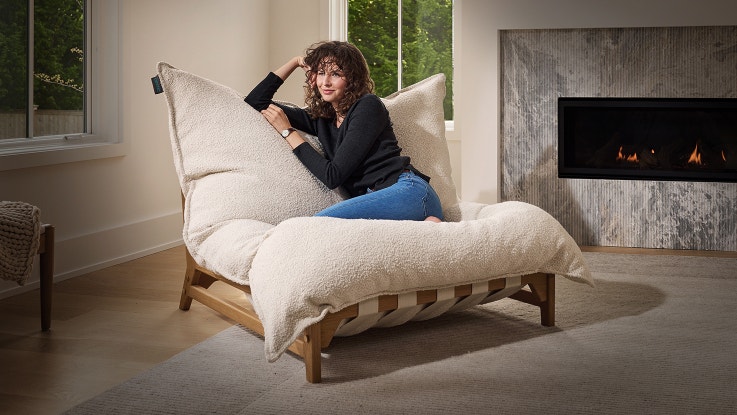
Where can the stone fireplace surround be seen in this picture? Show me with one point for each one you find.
(540, 65)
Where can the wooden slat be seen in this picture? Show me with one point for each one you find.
(427, 296)
(388, 302)
(497, 284)
(463, 290)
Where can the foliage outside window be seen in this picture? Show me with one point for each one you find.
(426, 42)
(56, 106)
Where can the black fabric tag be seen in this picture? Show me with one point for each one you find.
(157, 85)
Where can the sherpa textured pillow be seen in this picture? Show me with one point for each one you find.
(419, 123)
(239, 178)
(236, 165)
(232, 150)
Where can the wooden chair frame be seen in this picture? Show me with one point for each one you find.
(318, 336)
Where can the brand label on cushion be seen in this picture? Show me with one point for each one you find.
(157, 85)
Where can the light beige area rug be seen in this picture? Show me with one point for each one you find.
(657, 336)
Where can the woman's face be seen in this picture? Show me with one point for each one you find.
(331, 83)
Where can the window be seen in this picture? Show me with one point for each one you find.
(404, 41)
(47, 83)
(46, 36)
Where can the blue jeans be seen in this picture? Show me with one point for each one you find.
(410, 198)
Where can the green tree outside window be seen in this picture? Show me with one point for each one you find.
(58, 65)
(426, 44)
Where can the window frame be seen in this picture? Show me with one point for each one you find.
(338, 30)
(102, 138)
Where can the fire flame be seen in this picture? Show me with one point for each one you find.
(633, 158)
(696, 156)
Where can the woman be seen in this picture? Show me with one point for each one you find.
(353, 126)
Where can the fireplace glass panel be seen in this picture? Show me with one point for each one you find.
(648, 139)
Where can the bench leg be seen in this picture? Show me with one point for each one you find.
(46, 267)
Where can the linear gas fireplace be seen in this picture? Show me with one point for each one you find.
(648, 139)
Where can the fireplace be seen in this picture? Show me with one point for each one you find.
(648, 139)
(540, 66)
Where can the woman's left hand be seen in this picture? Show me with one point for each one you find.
(276, 117)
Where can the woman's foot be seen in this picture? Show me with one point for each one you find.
(432, 219)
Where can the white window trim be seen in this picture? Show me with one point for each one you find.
(102, 103)
(338, 30)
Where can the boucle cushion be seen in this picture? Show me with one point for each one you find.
(233, 165)
(238, 139)
(417, 115)
(225, 152)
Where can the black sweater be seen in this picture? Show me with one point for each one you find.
(363, 153)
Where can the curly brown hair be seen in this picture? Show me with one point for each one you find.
(351, 62)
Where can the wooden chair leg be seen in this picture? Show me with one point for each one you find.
(312, 356)
(190, 278)
(193, 277)
(547, 308)
(542, 295)
(46, 267)
(185, 301)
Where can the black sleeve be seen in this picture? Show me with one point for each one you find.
(262, 94)
(364, 124)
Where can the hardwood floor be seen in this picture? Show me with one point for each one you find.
(106, 327)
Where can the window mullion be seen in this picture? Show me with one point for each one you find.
(338, 14)
(87, 69)
(30, 70)
(399, 44)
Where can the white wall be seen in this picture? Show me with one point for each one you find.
(478, 23)
(110, 210)
(294, 25)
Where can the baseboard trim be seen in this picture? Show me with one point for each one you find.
(115, 261)
(34, 285)
(658, 251)
(82, 254)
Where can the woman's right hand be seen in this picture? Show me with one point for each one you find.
(301, 63)
(285, 70)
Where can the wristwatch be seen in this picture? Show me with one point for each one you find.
(285, 133)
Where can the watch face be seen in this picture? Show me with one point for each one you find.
(285, 133)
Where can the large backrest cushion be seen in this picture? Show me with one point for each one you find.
(232, 164)
(419, 123)
(230, 161)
